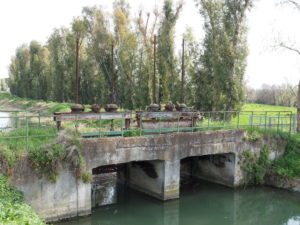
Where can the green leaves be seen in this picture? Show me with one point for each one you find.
(12, 210)
(255, 166)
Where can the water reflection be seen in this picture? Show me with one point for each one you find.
(202, 203)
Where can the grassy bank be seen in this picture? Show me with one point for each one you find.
(262, 107)
(9, 102)
(13, 211)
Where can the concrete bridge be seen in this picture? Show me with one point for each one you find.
(153, 165)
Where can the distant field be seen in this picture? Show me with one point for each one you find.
(261, 107)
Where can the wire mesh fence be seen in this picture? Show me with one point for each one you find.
(25, 129)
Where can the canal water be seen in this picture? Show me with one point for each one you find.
(201, 203)
(5, 121)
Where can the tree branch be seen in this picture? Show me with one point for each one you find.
(290, 48)
(294, 3)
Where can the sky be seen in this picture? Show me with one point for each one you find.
(269, 23)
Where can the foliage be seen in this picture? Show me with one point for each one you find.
(214, 67)
(256, 167)
(47, 154)
(253, 136)
(168, 80)
(65, 149)
(283, 95)
(12, 210)
(132, 133)
(47, 159)
(220, 78)
(8, 193)
(86, 177)
(289, 164)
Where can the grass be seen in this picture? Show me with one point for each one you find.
(12, 209)
(262, 107)
(45, 107)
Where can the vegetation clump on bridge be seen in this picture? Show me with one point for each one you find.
(47, 154)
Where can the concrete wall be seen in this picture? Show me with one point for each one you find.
(218, 168)
(67, 197)
(70, 197)
(159, 179)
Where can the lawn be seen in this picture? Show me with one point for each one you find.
(261, 107)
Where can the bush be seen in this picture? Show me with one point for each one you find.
(289, 164)
(12, 209)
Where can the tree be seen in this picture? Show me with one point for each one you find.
(168, 77)
(146, 82)
(223, 62)
(79, 28)
(191, 58)
(96, 68)
(126, 55)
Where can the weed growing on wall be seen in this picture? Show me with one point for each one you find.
(64, 150)
(255, 166)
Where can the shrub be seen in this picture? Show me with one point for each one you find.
(12, 208)
(256, 167)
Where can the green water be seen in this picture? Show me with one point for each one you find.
(201, 203)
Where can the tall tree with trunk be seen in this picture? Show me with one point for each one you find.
(166, 60)
(79, 30)
(223, 62)
(125, 55)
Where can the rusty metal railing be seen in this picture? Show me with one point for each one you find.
(26, 128)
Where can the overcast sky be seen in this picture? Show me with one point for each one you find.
(22, 21)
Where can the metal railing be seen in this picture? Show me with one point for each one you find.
(27, 127)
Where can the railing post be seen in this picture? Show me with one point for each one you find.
(99, 127)
(238, 122)
(266, 115)
(278, 121)
(224, 118)
(122, 127)
(290, 128)
(295, 123)
(251, 121)
(141, 121)
(193, 123)
(39, 119)
(160, 125)
(208, 123)
(27, 133)
(177, 122)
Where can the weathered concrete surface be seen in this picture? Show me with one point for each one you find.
(218, 168)
(70, 197)
(67, 197)
(104, 189)
(291, 184)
